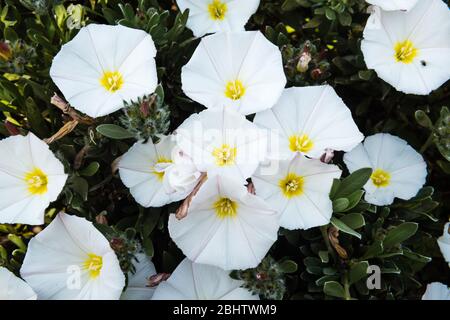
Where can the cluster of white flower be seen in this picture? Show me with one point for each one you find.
(225, 222)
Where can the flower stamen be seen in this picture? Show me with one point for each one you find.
(112, 81)
(217, 10)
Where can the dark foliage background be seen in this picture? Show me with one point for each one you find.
(313, 264)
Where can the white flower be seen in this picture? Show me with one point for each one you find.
(436, 291)
(393, 5)
(30, 178)
(398, 170)
(193, 281)
(138, 283)
(14, 288)
(238, 70)
(182, 176)
(410, 50)
(299, 191)
(222, 141)
(143, 170)
(210, 16)
(309, 120)
(444, 242)
(72, 260)
(103, 66)
(225, 226)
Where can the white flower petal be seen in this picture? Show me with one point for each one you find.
(231, 242)
(138, 288)
(14, 288)
(405, 167)
(56, 256)
(436, 291)
(78, 68)
(201, 134)
(316, 112)
(393, 5)
(200, 21)
(25, 154)
(426, 26)
(312, 207)
(444, 242)
(138, 171)
(193, 281)
(226, 57)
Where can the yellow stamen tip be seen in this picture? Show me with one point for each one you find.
(217, 10)
(292, 185)
(225, 208)
(300, 143)
(93, 264)
(380, 178)
(234, 90)
(225, 155)
(405, 51)
(37, 181)
(112, 80)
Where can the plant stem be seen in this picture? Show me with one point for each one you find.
(324, 230)
(347, 287)
(427, 144)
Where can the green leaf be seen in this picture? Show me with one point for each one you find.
(35, 118)
(114, 131)
(354, 220)
(288, 266)
(423, 119)
(330, 14)
(340, 204)
(353, 182)
(80, 186)
(344, 228)
(324, 257)
(334, 289)
(399, 234)
(90, 170)
(345, 18)
(358, 271)
(354, 199)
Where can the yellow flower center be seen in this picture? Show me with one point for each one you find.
(300, 143)
(160, 174)
(217, 10)
(405, 51)
(93, 264)
(37, 181)
(234, 90)
(292, 185)
(112, 80)
(225, 155)
(380, 178)
(225, 207)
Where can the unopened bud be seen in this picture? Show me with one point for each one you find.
(303, 62)
(101, 219)
(5, 51)
(156, 279)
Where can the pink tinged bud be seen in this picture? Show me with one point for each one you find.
(5, 51)
(303, 62)
(12, 129)
(156, 279)
(327, 156)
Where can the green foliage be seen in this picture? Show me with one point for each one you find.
(267, 279)
(320, 43)
(148, 117)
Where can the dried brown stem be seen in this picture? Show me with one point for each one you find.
(65, 107)
(183, 209)
(63, 131)
(333, 235)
